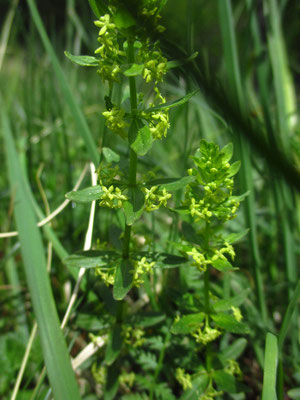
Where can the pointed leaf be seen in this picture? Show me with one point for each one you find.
(187, 323)
(91, 259)
(123, 279)
(225, 381)
(171, 184)
(228, 152)
(134, 206)
(86, 195)
(134, 70)
(99, 7)
(233, 351)
(174, 103)
(114, 344)
(178, 63)
(229, 323)
(235, 301)
(143, 141)
(223, 265)
(122, 18)
(110, 155)
(235, 237)
(234, 168)
(85, 61)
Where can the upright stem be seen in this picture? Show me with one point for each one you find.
(132, 154)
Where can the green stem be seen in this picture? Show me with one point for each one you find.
(132, 154)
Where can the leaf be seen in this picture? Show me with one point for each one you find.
(225, 381)
(223, 265)
(294, 393)
(236, 301)
(110, 155)
(123, 279)
(90, 322)
(179, 63)
(85, 61)
(171, 184)
(134, 70)
(133, 207)
(143, 142)
(233, 351)
(98, 7)
(112, 383)
(199, 386)
(55, 352)
(235, 237)
(234, 168)
(229, 323)
(270, 368)
(187, 323)
(91, 259)
(86, 195)
(227, 152)
(172, 104)
(114, 344)
(146, 319)
(172, 259)
(191, 235)
(122, 18)
(148, 361)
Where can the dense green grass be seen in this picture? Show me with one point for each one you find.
(246, 70)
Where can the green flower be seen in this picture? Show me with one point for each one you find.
(183, 378)
(115, 121)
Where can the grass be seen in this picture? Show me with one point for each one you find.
(51, 117)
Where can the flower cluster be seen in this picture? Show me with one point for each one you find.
(133, 336)
(210, 195)
(183, 378)
(115, 121)
(141, 267)
(206, 335)
(155, 197)
(107, 275)
(201, 259)
(109, 67)
(112, 197)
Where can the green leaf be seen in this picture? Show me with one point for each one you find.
(86, 195)
(187, 323)
(227, 152)
(85, 61)
(174, 103)
(134, 70)
(225, 381)
(146, 319)
(172, 259)
(234, 168)
(143, 142)
(112, 383)
(199, 386)
(122, 18)
(229, 323)
(91, 259)
(133, 207)
(110, 155)
(90, 322)
(294, 393)
(114, 344)
(270, 368)
(235, 237)
(179, 63)
(171, 184)
(55, 353)
(98, 7)
(223, 265)
(233, 351)
(123, 279)
(236, 301)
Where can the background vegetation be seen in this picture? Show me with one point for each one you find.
(247, 70)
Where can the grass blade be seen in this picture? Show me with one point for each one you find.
(60, 373)
(79, 118)
(270, 368)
